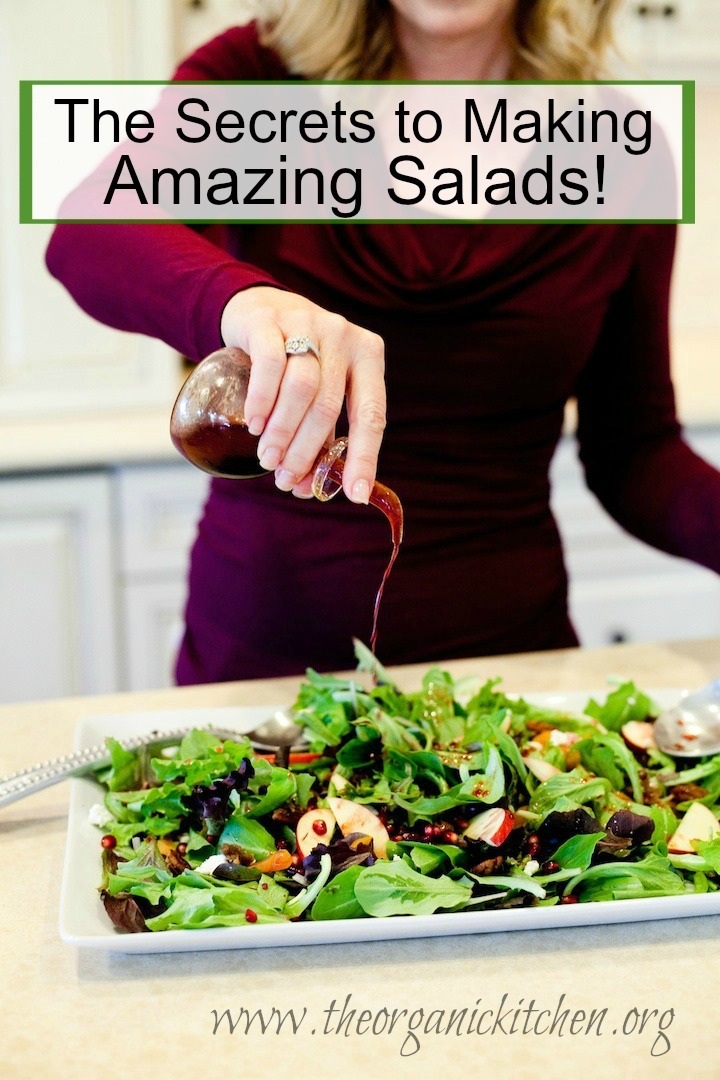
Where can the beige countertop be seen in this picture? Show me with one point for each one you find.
(84, 442)
(75, 1014)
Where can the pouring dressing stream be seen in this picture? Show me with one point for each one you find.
(209, 428)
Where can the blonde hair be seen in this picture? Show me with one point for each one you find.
(554, 40)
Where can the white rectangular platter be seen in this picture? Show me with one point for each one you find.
(83, 921)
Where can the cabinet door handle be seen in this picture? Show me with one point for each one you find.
(667, 11)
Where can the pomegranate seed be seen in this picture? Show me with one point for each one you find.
(108, 842)
(281, 844)
(549, 867)
(250, 915)
(569, 899)
(452, 838)
(264, 886)
(181, 849)
(532, 844)
(428, 830)
(319, 827)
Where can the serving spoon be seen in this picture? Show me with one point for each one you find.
(278, 734)
(692, 727)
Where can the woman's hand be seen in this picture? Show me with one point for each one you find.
(295, 401)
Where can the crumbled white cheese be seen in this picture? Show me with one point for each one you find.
(211, 864)
(99, 815)
(531, 867)
(563, 738)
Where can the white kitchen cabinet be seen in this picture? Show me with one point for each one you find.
(53, 357)
(664, 36)
(621, 589)
(158, 509)
(152, 629)
(57, 597)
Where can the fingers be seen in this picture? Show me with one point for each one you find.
(294, 403)
(316, 429)
(266, 346)
(299, 386)
(366, 399)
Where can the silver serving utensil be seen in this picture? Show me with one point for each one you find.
(692, 727)
(276, 735)
(280, 733)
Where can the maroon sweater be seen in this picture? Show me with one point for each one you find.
(489, 329)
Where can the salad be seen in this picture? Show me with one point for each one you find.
(453, 798)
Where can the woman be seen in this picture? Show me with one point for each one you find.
(486, 331)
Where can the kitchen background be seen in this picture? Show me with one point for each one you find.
(97, 511)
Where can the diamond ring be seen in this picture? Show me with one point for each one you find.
(301, 346)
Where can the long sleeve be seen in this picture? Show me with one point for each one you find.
(165, 280)
(631, 445)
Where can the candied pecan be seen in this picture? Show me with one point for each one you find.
(288, 815)
(683, 792)
(539, 725)
(487, 866)
(176, 863)
(235, 854)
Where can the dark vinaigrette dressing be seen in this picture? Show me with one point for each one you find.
(388, 502)
(228, 450)
(221, 449)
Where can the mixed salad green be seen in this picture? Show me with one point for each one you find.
(449, 799)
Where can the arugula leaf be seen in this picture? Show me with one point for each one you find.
(609, 756)
(622, 705)
(487, 787)
(571, 787)
(428, 857)
(248, 835)
(394, 888)
(124, 767)
(577, 852)
(198, 902)
(516, 882)
(336, 899)
(281, 789)
(709, 850)
(368, 661)
(652, 876)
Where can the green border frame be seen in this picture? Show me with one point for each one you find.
(687, 168)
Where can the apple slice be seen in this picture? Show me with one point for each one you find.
(355, 818)
(493, 826)
(315, 827)
(542, 770)
(639, 735)
(699, 823)
(339, 782)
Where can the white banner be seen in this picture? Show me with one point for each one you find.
(354, 152)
